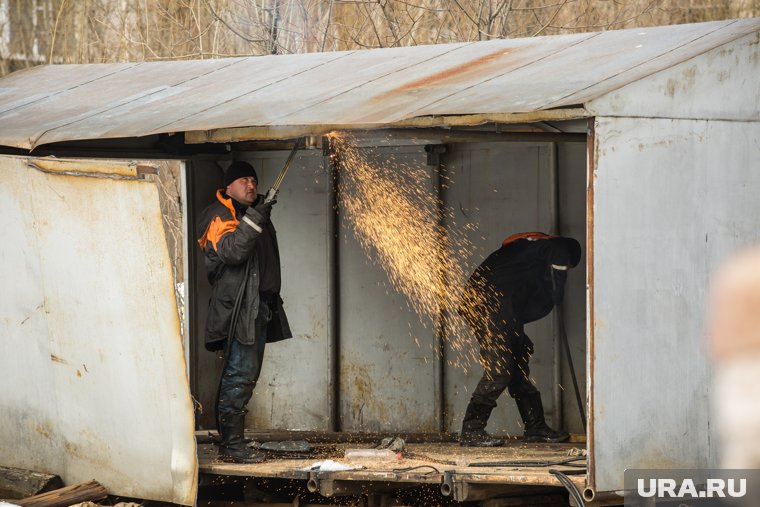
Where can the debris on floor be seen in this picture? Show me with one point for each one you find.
(331, 466)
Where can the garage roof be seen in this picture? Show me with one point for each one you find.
(288, 95)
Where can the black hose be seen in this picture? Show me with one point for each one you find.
(530, 463)
(570, 486)
(230, 337)
(566, 345)
(409, 469)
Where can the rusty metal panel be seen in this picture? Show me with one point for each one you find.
(722, 83)
(92, 364)
(375, 87)
(618, 57)
(668, 207)
(192, 94)
(299, 98)
(387, 380)
(98, 101)
(413, 89)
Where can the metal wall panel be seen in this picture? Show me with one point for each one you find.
(292, 390)
(719, 84)
(501, 188)
(93, 370)
(672, 199)
(387, 380)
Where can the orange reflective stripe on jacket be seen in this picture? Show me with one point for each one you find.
(218, 227)
(533, 236)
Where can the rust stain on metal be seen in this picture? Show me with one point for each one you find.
(462, 71)
(57, 359)
(592, 157)
(44, 429)
(78, 167)
(364, 400)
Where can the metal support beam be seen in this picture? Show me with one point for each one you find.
(438, 136)
(556, 229)
(434, 153)
(333, 304)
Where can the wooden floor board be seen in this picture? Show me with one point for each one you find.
(437, 457)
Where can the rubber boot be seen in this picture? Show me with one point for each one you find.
(232, 448)
(474, 432)
(532, 413)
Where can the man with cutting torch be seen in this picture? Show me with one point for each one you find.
(245, 311)
(518, 283)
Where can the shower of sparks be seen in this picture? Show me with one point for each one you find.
(398, 221)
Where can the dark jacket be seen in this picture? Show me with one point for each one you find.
(228, 242)
(526, 276)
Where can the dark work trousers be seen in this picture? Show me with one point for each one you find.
(241, 372)
(505, 354)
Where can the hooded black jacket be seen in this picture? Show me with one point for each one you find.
(526, 276)
(228, 243)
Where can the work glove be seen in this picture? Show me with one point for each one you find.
(264, 209)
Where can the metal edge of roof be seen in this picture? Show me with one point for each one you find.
(281, 132)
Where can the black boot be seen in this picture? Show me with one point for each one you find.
(474, 433)
(232, 448)
(532, 413)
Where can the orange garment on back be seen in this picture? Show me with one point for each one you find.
(218, 227)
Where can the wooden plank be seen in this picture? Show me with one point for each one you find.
(436, 458)
(327, 437)
(18, 483)
(63, 497)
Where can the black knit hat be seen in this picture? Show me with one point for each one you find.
(239, 169)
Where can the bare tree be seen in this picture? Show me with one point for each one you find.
(83, 31)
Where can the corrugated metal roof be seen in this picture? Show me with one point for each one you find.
(359, 89)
